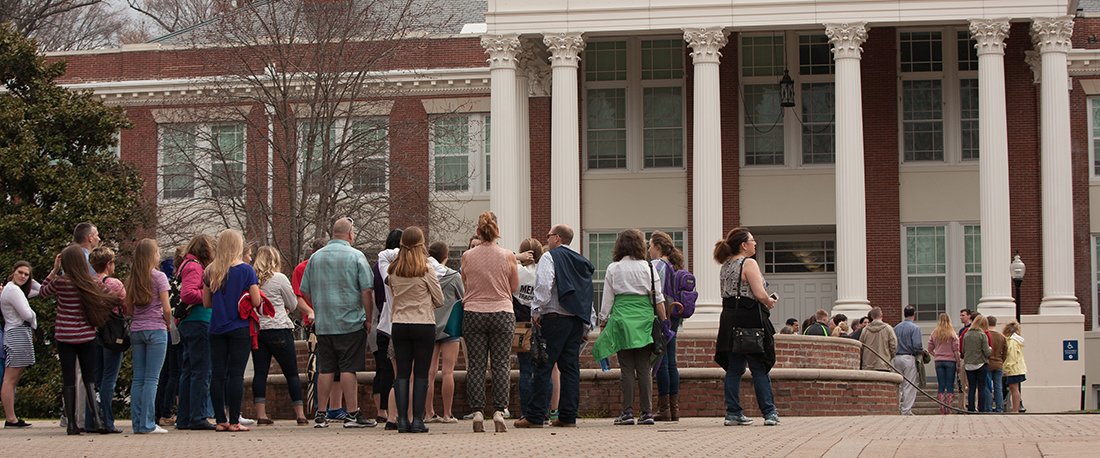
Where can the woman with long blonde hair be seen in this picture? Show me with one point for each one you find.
(227, 278)
(1014, 367)
(275, 338)
(944, 346)
(147, 301)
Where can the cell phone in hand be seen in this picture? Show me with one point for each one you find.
(774, 296)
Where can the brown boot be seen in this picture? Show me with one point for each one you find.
(662, 409)
(674, 406)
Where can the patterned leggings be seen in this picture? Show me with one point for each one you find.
(488, 334)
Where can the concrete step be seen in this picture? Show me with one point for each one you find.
(925, 406)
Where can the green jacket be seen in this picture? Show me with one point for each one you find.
(976, 349)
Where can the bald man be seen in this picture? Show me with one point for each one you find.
(337, 281)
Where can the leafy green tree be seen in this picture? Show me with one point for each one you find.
(56, 170)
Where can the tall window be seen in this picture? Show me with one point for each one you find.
(370, 155)
(344, 155)
(1094, 136)
(942, 268)
(804, 135)
(196, 159)
(227, 160)
(972, 245)
(178, 161)
(634, 104)
(939, 96)
(460, 145)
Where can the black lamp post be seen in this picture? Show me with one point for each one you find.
(1017, 269)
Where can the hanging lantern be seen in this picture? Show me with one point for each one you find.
(786, 90)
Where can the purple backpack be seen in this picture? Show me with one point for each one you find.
(679, 286)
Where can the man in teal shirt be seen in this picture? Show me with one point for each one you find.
(338, 281)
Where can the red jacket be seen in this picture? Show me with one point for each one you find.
(252, 315)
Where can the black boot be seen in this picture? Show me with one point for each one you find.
(68, 395)
(401, 397)
(97, 411)
(420, 395)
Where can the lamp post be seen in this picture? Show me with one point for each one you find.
(1017, 269)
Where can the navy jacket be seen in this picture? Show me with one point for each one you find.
(573, 275)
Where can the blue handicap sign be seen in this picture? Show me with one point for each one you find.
(1069, 350)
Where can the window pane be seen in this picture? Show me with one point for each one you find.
(1095, 136)
(605, 61)
(972, 236)
(816, 256)
(926, 246)
(178, 161)
(762, 56)
(599, 254)
(369, 155)
(818, 127)
(763, 126)
(606, 128)
(968, 91)
(662, 59)
(929, 296)
(663, 132)
(815, 56)
(227, 164)
(922, 115)
(452, 153)
(921, 52)
(968, 52)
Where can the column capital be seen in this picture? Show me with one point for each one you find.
(990, 35)
(532, 64)
(1052, 34)
(705, 43)
(564, 48)
(847, 39)
(501, 49)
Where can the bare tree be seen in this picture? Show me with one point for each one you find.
(307, 82)
(174, 15)
(95, 26)
(29, 15)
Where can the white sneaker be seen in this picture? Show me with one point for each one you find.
(159, 430)
(246, 421)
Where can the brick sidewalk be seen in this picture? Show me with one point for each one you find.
(873, 436)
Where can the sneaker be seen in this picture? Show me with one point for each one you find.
(771, 420)
(338, 415)
(321, 420)
(245, 421)
(737, 420)
(19, 423)
(448, 420)
(64, 423)
(469, 416)
(355, 420)
(159, 430)
(647, 418)
(553, 414)
(627, 418)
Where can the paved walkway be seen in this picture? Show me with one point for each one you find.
(1022, 436)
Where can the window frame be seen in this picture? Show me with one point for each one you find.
(634, 91)
(955, 275)
(1093, 103)
(477, 159)
(201, 135)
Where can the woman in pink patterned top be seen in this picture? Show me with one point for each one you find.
(490, 276)
(147, 302)
(82, 306)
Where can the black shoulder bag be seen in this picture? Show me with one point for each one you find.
(747, 340)
(114, 334)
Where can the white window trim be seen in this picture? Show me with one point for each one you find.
(1089, 101)
(1094, 240)
(203, 164)
(635, 118)
(955, 264)
(475, 163)
(340, 126)
(792, 128)
(952, 102)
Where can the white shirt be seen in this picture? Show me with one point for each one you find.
(525, 293)
(385, 258)
(278, 291)
(15, 307)
(628, 276)
(546, 290)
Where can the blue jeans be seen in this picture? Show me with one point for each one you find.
(526, 373)
(945, 376)
(668, 376)
(169, 383)
(563, 337)
(194, 374)
(228, 357)
(761, 383)
(996, 376)
(977, 380)
(149, 348)
(280, 344)
(107, 363)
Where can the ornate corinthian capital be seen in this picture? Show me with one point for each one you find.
(705, 43)
(990, 35)
(847, 39)
(502, 49)
(533, 64)
(564, 48)
(1052, 34)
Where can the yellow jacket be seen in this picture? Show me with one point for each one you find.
(1014, 356)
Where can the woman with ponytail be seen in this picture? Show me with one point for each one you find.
(667, 259)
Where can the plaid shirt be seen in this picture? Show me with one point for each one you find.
(335, 279)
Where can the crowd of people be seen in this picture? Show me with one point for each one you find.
(195, 322)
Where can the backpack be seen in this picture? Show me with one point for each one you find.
(179, 312)
(680, 287)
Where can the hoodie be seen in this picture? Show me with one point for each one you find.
(451, 282)
(1014, 356)
(880, 337)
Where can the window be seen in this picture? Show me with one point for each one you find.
(227, 160)
(344, 155)
(1095, 281)
(600, 245)
(369, 154)
(942, 267)
(197, 159)
(1094, 136)
(634, 104)
(814, 256)
(806, 134)
(178, 161)
(939, 96)
(460, 144)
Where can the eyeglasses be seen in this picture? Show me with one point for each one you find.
(551, 235)
(750, 240)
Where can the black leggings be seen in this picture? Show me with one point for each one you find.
(412, 349)
(69, 354)
(383, 371)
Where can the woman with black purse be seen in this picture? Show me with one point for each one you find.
(745, 334)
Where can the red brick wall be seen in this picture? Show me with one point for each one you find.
(880, 152)
(731, 141)
(1082, 245)
(540, 129)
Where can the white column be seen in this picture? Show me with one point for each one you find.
(523, 150)
(706, 167)
(1051, 37)
(503, 198)
(993, 169)
(565, 160)
(851, 207)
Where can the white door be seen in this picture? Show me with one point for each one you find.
(800, 295)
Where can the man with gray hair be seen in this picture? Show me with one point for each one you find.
(337, 281)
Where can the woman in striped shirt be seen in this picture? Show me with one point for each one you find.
(81, 308)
